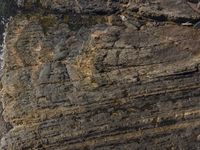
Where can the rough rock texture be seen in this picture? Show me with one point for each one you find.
(7, 9)
(81, 6)
(120, 75)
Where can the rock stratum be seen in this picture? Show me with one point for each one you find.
(101, 75)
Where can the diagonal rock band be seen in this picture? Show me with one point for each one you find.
(196, 8)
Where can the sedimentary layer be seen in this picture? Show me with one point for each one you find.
(101, 75)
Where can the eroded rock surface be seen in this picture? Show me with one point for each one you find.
(124, 79)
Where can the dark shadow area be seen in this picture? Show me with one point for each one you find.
(7, 9)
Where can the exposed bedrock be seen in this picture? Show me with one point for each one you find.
(101, 75)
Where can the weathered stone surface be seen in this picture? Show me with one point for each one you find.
(125, 80)
(7, 8)
(79, 6)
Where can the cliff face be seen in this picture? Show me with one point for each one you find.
(101, 75)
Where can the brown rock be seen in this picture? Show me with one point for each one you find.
(95, 83)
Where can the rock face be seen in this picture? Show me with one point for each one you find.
(80, 6)
(101, 75)
(7, 9)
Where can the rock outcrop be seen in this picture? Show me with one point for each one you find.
(103, 75)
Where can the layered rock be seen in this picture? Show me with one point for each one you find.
(124, 79)
(80, 6)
